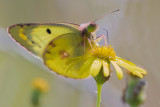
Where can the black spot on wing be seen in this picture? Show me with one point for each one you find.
(48, 31)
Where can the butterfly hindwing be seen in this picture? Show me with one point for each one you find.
(35, 37)
(65, 56)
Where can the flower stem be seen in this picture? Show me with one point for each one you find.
(99, 90)
(100, 80)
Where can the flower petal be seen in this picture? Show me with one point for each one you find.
(106, 69)
(96, 67)
(141, 70)
(118, 70)
(134, 69)
(131, 63)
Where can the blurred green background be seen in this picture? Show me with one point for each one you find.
(133, 32)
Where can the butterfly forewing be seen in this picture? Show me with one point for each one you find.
(35, 37)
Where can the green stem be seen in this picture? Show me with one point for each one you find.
(99, 90)
(100, 80)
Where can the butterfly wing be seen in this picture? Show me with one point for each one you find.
(72, 25)
(65, 56)
(35, 37)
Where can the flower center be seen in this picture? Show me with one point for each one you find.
(104, 52)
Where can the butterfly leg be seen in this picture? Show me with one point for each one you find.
(99, 38)
(89, 42)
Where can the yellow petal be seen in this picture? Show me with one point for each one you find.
(118, 70)
(105, 69)
(131, 63)
(132, 68)
(142, 71)
(96, 67)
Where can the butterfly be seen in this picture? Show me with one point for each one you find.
(61, 46)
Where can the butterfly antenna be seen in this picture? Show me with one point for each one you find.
(106, 14)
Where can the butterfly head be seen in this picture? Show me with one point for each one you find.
(91, 27)
(88, 27)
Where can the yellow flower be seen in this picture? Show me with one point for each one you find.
(106, 55)
(41, 84)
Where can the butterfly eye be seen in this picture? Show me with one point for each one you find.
(48, 31)
(91, 27)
